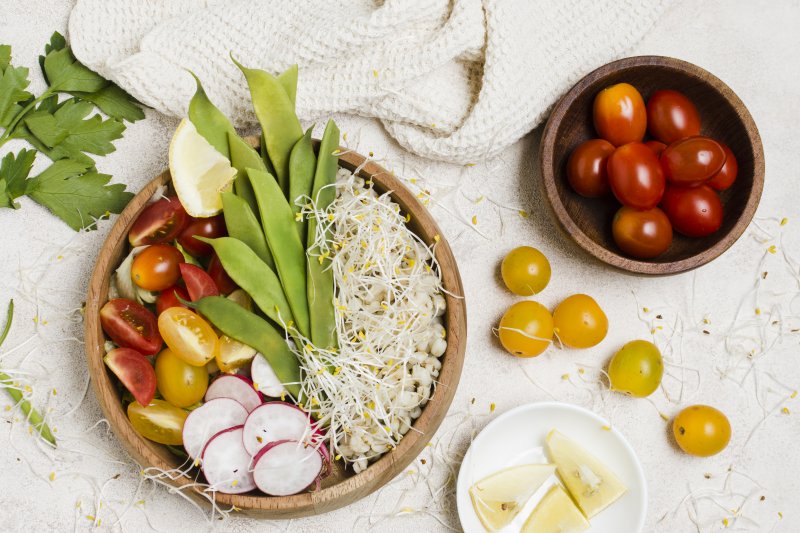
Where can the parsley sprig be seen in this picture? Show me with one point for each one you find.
(62, 124)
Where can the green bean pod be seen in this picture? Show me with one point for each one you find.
(319, 290)
(288, 80)
(250, 329)
(209, 121)
(242, 157)
(302, 163)
(288, 251)
(243, 225)
(253, 275)
(275, 112)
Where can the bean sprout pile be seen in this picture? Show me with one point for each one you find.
(389, 308)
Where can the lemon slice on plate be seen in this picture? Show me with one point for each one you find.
(497, 499)
(555, 513)
(199, 172)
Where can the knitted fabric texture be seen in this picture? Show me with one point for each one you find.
(452, 80)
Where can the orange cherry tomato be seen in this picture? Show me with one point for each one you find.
(526, 330)
(701, 430)
(157, 267)
(727, 174)
(586, 168)
(693, 211)
(635, 176)
(692, 161)
(671, 116)
(619, 114)
(656, 146)
(642, 234)
(188, 336)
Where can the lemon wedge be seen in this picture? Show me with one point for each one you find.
(199, 172)
(592, 485)
(498, 498)
(555, 513)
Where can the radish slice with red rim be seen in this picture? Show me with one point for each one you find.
(235, 387)
(226, 464)
(274, 421)
(287, 467)
(208, 420)
(265, 380)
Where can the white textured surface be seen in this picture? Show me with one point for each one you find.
(750, 45)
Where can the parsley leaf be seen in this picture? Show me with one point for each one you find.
(114, 102)
(14, 170)
(76, 195)
(13, 82)
(64, 73)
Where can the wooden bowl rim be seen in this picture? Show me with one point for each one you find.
(546, 155)
(351, 488)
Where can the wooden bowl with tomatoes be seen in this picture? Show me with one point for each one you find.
(633, 211)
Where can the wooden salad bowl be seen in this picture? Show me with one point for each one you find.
(723, 117)
(342, 487)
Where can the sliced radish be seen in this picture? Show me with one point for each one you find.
(264, 378)
(226, 464)
(287, 467)
(274, 421)
(206, 421)
(235, 387)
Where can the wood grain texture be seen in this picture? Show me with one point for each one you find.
(342, 487)
(723, 117)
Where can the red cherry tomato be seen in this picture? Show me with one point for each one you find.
(131, 325)
(586, 168)
(210, 228)
(619, 114)
(656, 146)
(198, 283)
(169, 298)
(692, 161)
(642, 234)
(671, 116)
(134, 371)
(693, 211)
(635, 176)
(727, 174)
(156, 267)
(159, 222)
(221, 278)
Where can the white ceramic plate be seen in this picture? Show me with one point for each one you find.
(517, 437)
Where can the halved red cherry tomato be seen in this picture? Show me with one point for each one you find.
(156, 267)
(635, 176)
(221, 278)
(198, 283)
(727, 174)
(671, 116)
(619, 114)
(642, 234)
(134, 371)
(131, 325)
(159, 222)
(586, 168)
(692, 161)
(169, 298)
(210, 228)
(656, 146)
(693, 211)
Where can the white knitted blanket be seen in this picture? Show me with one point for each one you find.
(453, 80)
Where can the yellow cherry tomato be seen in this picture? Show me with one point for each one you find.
(159, 421)
(701, 430)
(525, 271)
(579, 322)
(190, 338)
(636, 369)
(526, 330)
(181, 384)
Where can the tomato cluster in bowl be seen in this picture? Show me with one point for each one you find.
(669, 182)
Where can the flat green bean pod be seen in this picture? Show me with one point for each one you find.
(288, 251)
(242, 157)
(209, 121)
(253, 275)
(288, 80)
(243, 225)
(250, 329)
(302, 163)
(319, 290)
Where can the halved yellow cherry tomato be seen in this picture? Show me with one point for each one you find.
(190, 338)
(180, 383)
(232, 354)
(159, 421)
